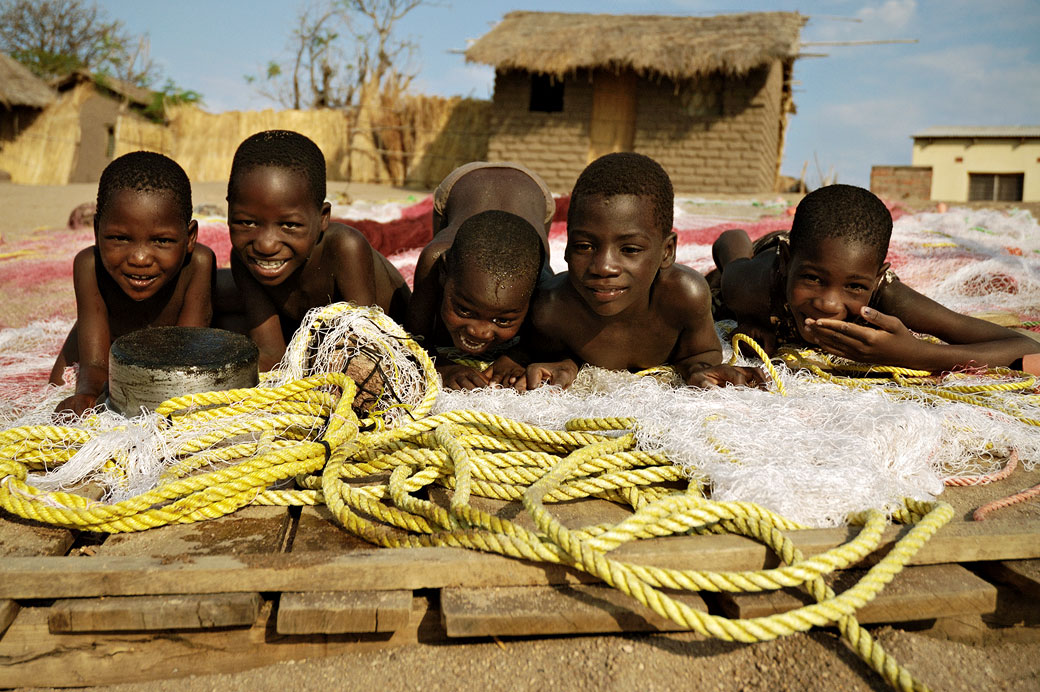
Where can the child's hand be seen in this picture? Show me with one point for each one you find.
(77, 403)
(721, 375)
(890, 343)
(505, 372)
(561, 374)
(455, 376)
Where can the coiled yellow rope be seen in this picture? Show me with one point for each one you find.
(374, 480)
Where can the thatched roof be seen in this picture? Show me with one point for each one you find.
(131, 92)
(557, 43)
(20, 87)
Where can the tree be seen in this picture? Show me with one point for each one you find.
(55, 37)
(339, 52)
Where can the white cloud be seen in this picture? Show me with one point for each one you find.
(892, 14)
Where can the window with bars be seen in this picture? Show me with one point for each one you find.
(995, 187)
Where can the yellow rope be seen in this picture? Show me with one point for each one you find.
(376, 481)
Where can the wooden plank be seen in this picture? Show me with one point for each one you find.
(31, 656)
(417, 568)
(249, 531)
(24, 538)
(8, 612)
(317, 531)
(1024, 575)
(336, 612)
(541, 610)
(148, 613)
(574, 514)
(916, 593)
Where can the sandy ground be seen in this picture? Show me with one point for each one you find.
(27, 208)
(965, 655)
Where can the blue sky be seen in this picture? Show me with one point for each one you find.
(974, 63)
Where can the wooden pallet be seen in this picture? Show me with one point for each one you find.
(269, 583)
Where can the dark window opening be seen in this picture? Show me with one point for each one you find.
(995, 187)
(110, 146)
(546, 94)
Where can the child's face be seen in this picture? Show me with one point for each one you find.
(274, 223)
(479, 311)
(832, 282)
(142, 241)
(614, 251)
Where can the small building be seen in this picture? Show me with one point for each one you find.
(707, 97)
(23, 96)
(76, 135)
(981, 163)
(101, 104)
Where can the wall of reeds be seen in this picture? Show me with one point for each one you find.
(402, 139)
(45, 152)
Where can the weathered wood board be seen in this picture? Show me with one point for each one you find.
(1024, 575)
(31, 656)
(250, 531)
(337, 612)
(916, 593)
(542, 610)
(380, 569)
(152, 613)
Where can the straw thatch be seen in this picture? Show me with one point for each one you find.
(20, 87)
(45, 152)
(139, 96)
(558, 43)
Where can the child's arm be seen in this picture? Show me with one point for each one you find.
(262, 320)
(543, 339)
(970, 341)
(745, 286)
(731, 245)
(697, 356)
(93, 336)
(353, 266)
(425, 302)
(197, 308)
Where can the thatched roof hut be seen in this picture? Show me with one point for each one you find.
(708, 97)
(558, 43)
(20, 87)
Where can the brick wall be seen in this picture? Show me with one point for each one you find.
(734, 151)
(555, 145)
(901, 182)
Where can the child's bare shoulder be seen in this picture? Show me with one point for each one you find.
(680, 286)
(345, 239)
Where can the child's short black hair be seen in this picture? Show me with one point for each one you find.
(144, 171)
(498, 243)
(627, 173)
(842, 211)
(281, 149)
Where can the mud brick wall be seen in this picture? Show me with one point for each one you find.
(734, 151)
(554, 145)
(901, 182)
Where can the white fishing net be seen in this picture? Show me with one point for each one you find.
(120, 457)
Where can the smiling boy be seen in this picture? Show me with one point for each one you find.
(487, 278)
(829, 285)
(144, 270)
(287, 257)
(623, 303)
